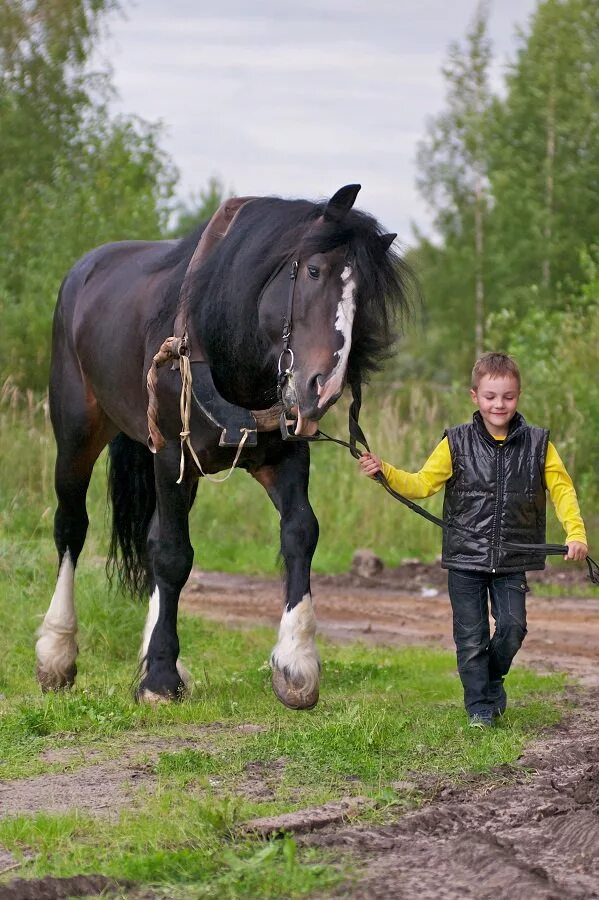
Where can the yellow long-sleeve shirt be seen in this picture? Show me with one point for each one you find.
(438, 469)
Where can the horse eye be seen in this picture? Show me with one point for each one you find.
(313, 271)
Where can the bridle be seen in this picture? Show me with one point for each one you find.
(285, 371)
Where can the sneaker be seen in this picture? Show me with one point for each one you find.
(481, 720)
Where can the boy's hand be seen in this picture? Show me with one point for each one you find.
(576, 550)
(370, 464)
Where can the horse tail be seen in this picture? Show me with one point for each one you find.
(132, 490)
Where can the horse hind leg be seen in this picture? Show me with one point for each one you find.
(79, 444)
(162, 676)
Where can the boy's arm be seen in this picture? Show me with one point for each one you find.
(430, 479)
(563, 496)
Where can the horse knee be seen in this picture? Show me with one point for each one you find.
(172, 563)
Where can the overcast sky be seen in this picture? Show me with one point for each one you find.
(298, 98)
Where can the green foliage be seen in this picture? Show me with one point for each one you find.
(70, 176)
(540, 159)
(544, 152)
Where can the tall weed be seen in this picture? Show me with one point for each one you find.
(234, 527)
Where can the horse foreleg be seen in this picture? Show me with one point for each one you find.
(170, 557)
(295, 662)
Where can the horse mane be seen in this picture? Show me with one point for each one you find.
(269, 232)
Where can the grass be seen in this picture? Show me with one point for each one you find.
(385, 715)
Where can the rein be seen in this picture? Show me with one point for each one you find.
(177, 349)
(358, 436)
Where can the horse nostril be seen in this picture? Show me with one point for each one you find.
(316, 383)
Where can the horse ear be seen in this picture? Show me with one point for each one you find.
(340, 203)
(387, 239)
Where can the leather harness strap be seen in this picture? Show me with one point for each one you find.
(182, 342)
(216, 229)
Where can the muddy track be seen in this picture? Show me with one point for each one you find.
(536, 835)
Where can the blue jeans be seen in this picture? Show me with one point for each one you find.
(484, 661)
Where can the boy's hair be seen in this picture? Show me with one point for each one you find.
(495, 365)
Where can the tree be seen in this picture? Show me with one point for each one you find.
(544, 155)
(70, 176)
(453, 163)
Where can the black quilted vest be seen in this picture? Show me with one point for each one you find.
(497, 489)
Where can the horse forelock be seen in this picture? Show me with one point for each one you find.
(382, 294)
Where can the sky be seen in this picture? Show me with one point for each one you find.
(296, 99)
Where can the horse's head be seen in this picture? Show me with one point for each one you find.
(319, 292)
(328, 324)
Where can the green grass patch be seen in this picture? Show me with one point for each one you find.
(385, 715)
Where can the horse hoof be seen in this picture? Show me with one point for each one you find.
(144, 694)
(55, 681)
(291, 694)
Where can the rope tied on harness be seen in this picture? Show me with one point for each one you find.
(185, 408)
(172, 349)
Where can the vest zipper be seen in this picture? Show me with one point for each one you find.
(498, 499)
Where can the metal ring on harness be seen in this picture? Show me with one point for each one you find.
(289, 368)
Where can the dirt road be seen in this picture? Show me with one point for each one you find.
(530, 833)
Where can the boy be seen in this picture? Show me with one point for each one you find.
(495, 471)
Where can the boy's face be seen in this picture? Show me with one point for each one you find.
(497, 399)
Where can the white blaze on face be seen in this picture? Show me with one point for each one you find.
(56, 648)
(296, 651)
(346, 310)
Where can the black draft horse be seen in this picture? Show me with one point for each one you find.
(296, 294)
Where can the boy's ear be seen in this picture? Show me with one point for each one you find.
(474, 397)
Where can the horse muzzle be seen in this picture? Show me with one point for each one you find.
(305, 415)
